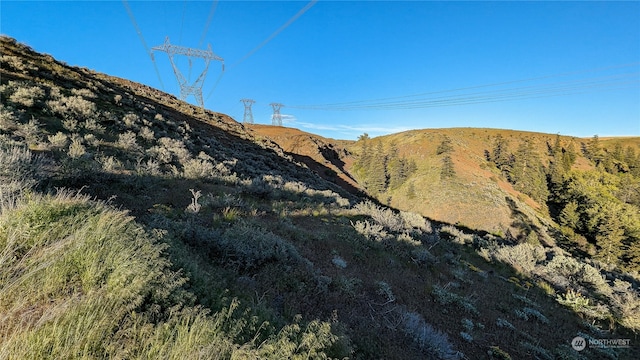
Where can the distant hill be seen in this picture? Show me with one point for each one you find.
(135, 225)
(478, 197)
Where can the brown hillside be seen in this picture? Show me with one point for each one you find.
(479, 197)
(324, 156)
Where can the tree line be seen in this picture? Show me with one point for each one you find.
(597, 208)
(381, 169)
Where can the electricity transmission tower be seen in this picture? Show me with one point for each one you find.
(276, 118)
(187, 89)
(248, 115)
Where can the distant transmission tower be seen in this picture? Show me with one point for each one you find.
(276, 118)
(187, 89)
(248, 115)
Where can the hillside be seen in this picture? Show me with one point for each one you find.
(478, 197)
(134, 225)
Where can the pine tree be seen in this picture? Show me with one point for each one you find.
(395, 168)
(556, 149)
(618, 152)
(377, 174)
(569, 215)
(361, 165)
(445, 146)
(569, 157)
(528, 174)
(632, 161)
(447, 172)
(593, 150)
(501, 156)
(411, 191)
(609, 239)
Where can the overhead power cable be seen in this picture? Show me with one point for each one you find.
(462, 96)
(275, 33)
(526, 92)
(144, 43)
(594, 70)
(271, 37)
(214, 4)
(184, 11)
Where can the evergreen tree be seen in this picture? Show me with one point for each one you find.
(556, 149)
(396, 168)
(411, 191)
(593, 151)
(447, 172)
(528, 174)
(569, 157)
(609, 239)
(618, 152)
(377, 174)
(364, 137)
(630, 155)
(569, 215)
(631, 257)
(629, 189)
(557, 167)
(632, 161)
(411, 167)
(445, 146)
(501, 156)
(361, 165)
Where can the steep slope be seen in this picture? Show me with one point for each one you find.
(478, 196)
(327, 157)
(262, 257)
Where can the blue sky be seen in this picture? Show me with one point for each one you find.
(343, 68)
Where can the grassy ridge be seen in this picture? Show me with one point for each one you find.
(82, 280)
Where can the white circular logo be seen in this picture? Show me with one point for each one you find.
(578, 343)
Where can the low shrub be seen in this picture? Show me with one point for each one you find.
(248, 246)
(428, 338)
(371, 231)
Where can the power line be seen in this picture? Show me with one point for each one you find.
(263, 43)
(144, 43)
(184, 10)
(214, 4)
(512, 93)
(275, 33)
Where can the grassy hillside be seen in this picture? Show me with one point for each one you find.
(134, 225)
(478, 195)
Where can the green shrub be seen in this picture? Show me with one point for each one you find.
(71, 106)
(59, 140)
(523, 256)
(249, 246)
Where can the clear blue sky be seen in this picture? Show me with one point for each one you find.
(343, 68)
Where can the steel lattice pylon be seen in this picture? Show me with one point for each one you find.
(248, 115)
(276, 118)
(187, 89)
